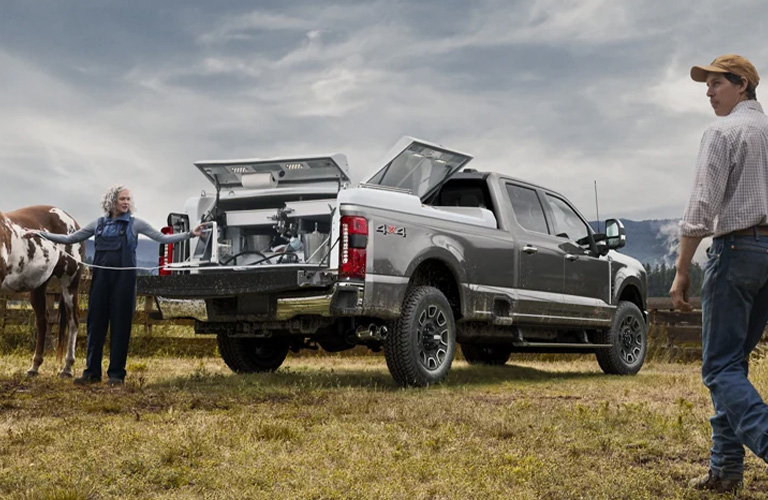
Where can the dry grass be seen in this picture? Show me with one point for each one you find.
(337, 428)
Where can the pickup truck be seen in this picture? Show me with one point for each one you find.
(423, 255)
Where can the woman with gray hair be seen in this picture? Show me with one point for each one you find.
(112, 300)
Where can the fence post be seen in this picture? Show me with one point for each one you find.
(51, 299)
(3, 309)
(148, 303)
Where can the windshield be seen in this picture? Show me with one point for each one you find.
(419, 169)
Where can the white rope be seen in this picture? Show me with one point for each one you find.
(95, 266)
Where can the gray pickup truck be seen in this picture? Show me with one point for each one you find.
(423, 255)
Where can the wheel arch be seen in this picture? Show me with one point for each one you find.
(436, 272)
(630, 291)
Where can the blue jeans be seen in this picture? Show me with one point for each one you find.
(734, 313)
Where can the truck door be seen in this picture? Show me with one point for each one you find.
(587, 286)
(540, 276)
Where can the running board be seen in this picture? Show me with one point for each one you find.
(561, 345)
(555, 347)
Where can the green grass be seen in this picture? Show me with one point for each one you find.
(333, 427)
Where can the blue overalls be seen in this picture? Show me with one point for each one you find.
(112, 300)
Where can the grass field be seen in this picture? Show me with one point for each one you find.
(333, 427)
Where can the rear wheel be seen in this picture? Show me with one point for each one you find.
(485, 354)
(420, 350)
(629, 337)
(249, 355)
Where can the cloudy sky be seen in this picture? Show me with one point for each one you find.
(558, 92)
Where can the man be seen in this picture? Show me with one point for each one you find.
(729, 200)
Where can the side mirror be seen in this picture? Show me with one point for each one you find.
(615, 236)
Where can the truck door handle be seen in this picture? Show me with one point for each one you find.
(530, 249)
(571, 257)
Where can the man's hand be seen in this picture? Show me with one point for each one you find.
(29, 233)
(682, 284)
(679, 292)
(196, 231)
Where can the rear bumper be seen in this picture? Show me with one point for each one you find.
(342, 299)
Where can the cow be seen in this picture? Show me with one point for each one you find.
(28, 264)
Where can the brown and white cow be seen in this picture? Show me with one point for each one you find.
(28, 264)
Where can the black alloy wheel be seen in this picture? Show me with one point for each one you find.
(420, 350)
(629, 339)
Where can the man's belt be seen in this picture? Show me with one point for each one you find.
(750, 231)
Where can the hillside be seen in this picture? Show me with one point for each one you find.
(652, 241)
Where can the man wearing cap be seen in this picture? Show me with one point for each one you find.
(729, 201)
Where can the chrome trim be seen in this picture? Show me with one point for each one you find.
(569, 318)
(182, 308)
(289, 307)
(521, 293)
(560, 345)
(371, 279)
(587, 301)
(349, 284)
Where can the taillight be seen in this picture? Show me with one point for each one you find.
(352, 254)
(166, 253)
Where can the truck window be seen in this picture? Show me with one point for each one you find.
(461, 196)
(527, 208)
(567, 221)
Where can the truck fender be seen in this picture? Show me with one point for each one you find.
(448, 255)
(449, 258)
(622, 282)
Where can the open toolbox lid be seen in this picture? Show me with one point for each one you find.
(418, 167)
(263, 174)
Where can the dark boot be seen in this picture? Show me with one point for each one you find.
(86, 380)
(711, 482)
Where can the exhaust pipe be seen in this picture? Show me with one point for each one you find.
(371, 332)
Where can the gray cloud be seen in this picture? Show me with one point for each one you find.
(562, 93)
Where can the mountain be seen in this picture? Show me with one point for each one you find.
(651, 241)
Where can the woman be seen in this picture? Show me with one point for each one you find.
(112, 300)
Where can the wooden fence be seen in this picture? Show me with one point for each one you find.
(15, 309)
(16, 314)
(674, 334)
(669, 329)
(681, 327)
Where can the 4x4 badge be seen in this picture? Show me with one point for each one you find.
(386, 229)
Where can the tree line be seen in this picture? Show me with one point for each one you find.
(660, 279)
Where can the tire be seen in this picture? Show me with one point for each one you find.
(421, 347)
(629, 339)
(485, 354)
(249, 355)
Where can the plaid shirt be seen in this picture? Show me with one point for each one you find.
(730, 189)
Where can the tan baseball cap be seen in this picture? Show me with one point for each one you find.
(730, 63)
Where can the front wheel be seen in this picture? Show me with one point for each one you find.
(629, 339)
(250, 355)
(420, 349)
